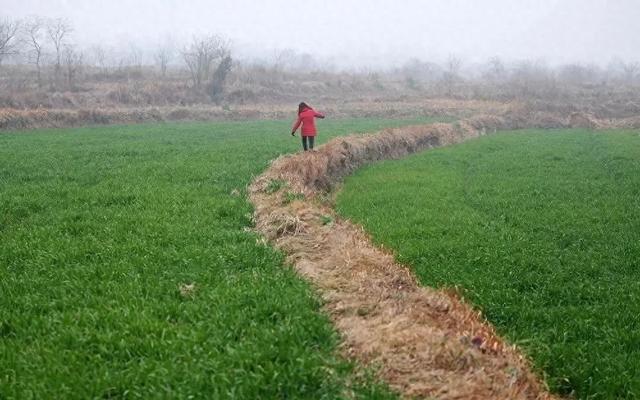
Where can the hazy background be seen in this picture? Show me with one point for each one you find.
(363, 33)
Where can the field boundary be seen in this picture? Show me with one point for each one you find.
(423, 342)
(12, 119)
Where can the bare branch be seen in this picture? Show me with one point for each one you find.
(73, 63)
(201, 54)
(630, 71)
(58, 30)
(34, 38)
(98, 56)
(452, 73)
(164, 55)
(8, 38)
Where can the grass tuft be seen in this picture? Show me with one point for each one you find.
(275, 185)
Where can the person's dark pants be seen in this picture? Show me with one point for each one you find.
(304, 142)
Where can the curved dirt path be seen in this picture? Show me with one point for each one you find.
(424, 342)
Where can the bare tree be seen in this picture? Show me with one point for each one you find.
(417, 70)
(496, 70)
(72, 62)
(452, 73)
(306, 61)
(34, 38)
(164, 55)
(200, 56)
(533, 79)
(574, 74)
(8, 38)
(135, 56)
(283, 58)
(98, 56)
(630, 71)
(58, 30)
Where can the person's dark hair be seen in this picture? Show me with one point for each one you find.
(302, 106)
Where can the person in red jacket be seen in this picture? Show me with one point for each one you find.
(306, 117)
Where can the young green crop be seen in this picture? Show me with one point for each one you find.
(127, 271)
(539, 229)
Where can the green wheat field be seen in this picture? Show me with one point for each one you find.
(101, 227)
(538, 229)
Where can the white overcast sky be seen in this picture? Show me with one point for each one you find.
(365, 32)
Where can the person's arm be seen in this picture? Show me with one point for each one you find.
(318, 115)
(296, 126)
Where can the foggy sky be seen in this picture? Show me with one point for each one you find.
(364, 33)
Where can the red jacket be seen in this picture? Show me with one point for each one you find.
(307, 119)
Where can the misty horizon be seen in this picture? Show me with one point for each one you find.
(357, 34)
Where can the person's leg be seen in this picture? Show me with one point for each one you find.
(311, 140)
(304, 143)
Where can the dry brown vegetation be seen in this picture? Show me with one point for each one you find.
(12, 118)
(544, 115)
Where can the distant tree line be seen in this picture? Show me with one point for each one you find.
(524, 79)
(47, 45)
(40, 55)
